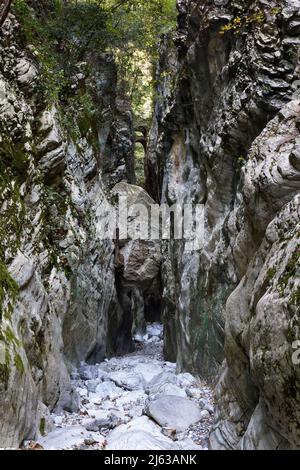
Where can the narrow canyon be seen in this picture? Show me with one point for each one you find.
(115, 343)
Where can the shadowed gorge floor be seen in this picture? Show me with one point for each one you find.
(136, 401)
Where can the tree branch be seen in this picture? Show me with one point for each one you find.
(118, 5)
(4, 10)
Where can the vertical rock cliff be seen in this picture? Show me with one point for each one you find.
(225, 134)
(58, 296)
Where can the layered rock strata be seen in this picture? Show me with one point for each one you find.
(226, 135)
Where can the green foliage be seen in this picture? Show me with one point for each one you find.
(52, 232)
(4, 375)
(60, 34)
(135, 28)
(13, 170)
(64, 33)
(19, 363)
(42, 426)
(240, 22)
(13, 173)
(4, 363)
(9, 345)
(8, 289)
(86, 113)
(55, 201)
(13, 156)
(241, 161)
(36, 32)
(139, 164)
(10, 337)
(295, 297)
(271, 273)
(82, 117)
(290, 271)
(138, 24)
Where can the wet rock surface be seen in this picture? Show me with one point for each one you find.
(118, 398)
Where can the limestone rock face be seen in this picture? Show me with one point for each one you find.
(141, 256)
(137, 259)
(225, 135)
(57, 274)
(260, 374)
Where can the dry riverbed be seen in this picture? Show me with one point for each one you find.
(137, 401)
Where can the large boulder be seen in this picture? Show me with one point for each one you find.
(141, 256)
(137, 262)
(142, 434)
(174, 412)
(258, 392)
(69, 437)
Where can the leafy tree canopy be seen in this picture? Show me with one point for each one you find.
(65, 31)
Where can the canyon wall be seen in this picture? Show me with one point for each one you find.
(58, 299)
(225, 134)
